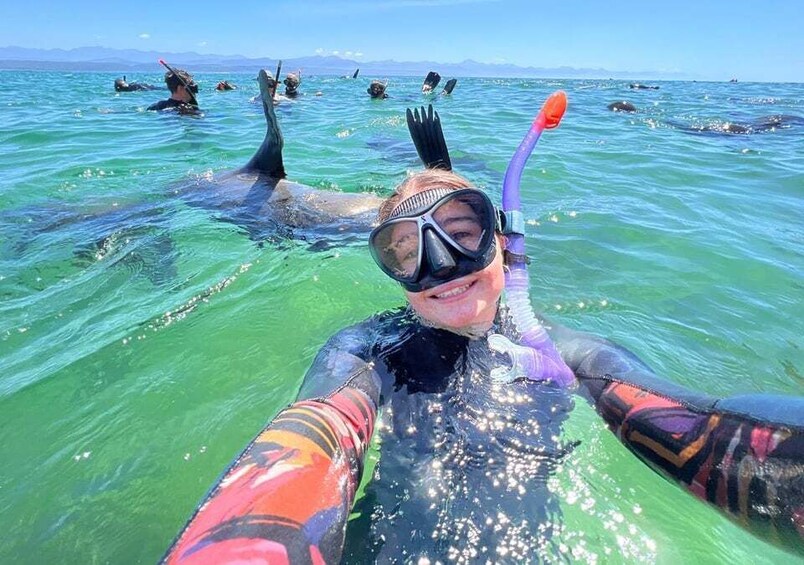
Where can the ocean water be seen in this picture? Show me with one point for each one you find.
(144, 342)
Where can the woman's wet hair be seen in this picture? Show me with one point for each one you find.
(419, 182)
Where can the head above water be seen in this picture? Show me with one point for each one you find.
(179, 79)
(455, 254)
(291, 82)
(377, 89)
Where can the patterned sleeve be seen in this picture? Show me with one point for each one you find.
(287, 497)
(743, 454)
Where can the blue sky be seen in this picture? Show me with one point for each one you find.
(749, 40)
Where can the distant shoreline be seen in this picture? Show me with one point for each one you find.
(103, 59)
(61, 66)
(366, 70)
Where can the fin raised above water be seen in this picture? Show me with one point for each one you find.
(430, 82)
(268, 158)
(425, 130)
(450, 86)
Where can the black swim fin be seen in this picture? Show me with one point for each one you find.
(431, 81)
(425, 130)
(356, 73)
(450, 86)
(268, 158)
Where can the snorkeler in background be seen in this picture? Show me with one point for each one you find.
(225, 85)
(182, 93)
(292, 82)
(377, 89)
(120, 85)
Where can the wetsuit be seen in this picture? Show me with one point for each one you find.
(463, 461)
(168, 104)
(743, 454)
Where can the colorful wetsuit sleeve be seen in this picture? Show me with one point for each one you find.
(287, 498)
(744, 454)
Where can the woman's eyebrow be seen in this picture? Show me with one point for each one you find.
(447, 221)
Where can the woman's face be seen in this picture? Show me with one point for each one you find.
(469, 302)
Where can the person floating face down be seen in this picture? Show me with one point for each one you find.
(182, 89)
(120, 85)
(225, 85)
(292, 82)
(445, 420)
(377, 89)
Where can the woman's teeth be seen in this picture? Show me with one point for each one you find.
(454, 291)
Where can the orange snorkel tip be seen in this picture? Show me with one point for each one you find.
(554, 108)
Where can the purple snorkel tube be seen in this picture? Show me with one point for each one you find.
(535, 357)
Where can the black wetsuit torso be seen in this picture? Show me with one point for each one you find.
(463, 461)
(169, 104)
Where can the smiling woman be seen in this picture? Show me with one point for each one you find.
(427, 366)
(436, 238)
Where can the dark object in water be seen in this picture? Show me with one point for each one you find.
(292, 82)
(760, 125)
(225, 85)
(377, 89)
(428, 137)
(120, 85)
(621, 106)
(638, 86)
(450, 86)
(356, 73)
(258, 198)
(430, 82)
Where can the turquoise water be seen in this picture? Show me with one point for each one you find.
(143, 342)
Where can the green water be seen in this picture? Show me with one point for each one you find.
(143, 342)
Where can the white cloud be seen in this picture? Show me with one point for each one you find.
(338, 53)
(202, 44)
(144, 36)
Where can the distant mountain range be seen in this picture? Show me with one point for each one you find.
(128, 60)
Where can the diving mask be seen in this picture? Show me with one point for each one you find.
(436, 236)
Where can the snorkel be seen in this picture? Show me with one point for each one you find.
(535, 357)
(183, 82)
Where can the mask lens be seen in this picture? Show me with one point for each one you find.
(458, 228)
(397, 247)
(468, 220)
